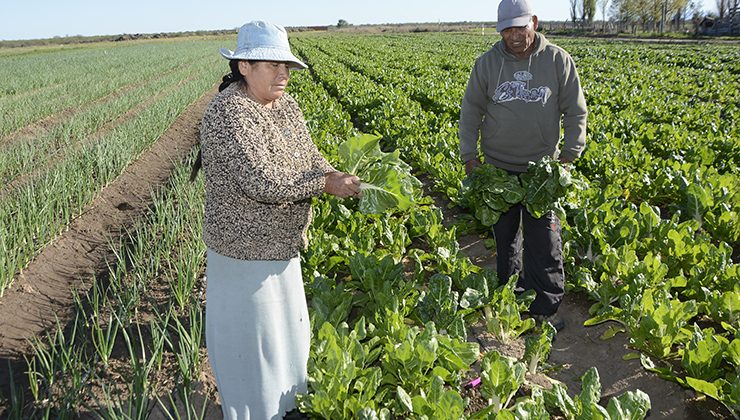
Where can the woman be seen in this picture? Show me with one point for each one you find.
(261, 170)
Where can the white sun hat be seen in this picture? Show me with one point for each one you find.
(513, 13)
(263, 41)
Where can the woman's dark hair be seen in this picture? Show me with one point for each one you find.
(234, 76)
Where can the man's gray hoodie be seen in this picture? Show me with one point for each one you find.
(516, 105)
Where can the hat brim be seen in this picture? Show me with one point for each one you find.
(264, 54)
(515, 22)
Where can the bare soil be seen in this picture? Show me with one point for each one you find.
(42, 293)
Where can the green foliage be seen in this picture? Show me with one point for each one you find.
(633, 405)
(651, 240)
(438, 403)
(387, 180)
(489, 192)
(703, 355)
(538, 347)
(441, 304)
(342, 378)
(501, 377)
(331, 302)
(503, 316)
(382, 285)
(547, 183)
(413, 357)
(661, 322)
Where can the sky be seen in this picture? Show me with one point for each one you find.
(32, 19)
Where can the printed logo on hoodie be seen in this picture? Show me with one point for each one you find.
(517, 90)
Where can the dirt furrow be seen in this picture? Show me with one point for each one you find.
(42, 292)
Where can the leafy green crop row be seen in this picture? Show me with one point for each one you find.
(391, 295)
(698, 191)
(374, 271)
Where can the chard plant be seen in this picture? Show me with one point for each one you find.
(439, 403)
(442, 305)
(634, 405)
(330, 302)
(501, 377)
(387, 180)
(489, 192)
(382, 284)
(503, 315)
(343, 380)
(547, 184)
(538, 347)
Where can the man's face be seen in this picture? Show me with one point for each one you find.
(519, 40)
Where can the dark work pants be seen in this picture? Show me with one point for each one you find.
(535, 245)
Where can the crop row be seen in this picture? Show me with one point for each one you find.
(682, 157)
(135, 342)
(391, 277)
(617, 250)
(40, 208)
(391, 296)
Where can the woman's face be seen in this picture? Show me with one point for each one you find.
(266, 80)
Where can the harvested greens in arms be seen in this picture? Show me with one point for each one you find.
(491, 191)
(386, 179)
(547, 183)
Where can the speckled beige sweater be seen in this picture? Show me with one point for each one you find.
(261, 170)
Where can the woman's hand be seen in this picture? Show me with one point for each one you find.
(342, 185)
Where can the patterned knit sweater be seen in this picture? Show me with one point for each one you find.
(261, 170)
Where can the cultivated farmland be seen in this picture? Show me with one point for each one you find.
(102, 264)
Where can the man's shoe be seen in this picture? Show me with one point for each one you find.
(556, 321)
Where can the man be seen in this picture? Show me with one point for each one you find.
(517, 95)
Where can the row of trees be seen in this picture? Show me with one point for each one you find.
(727, 8)
(649, 14)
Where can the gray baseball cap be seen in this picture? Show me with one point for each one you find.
(513, 13)
(263, 41)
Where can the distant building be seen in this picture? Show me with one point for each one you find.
(730, 25)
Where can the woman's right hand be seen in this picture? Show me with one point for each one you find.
(342, 185)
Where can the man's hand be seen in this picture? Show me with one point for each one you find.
(470, 165)
(342, 185)
(567, 163)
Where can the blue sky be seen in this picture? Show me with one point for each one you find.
(30, 19)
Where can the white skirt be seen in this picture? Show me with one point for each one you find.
(257, 335)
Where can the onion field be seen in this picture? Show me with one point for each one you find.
(399, 309)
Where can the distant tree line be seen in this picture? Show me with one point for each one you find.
(647, 15)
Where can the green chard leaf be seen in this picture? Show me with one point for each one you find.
(387, 182)
(489, 191)
(547, 183)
